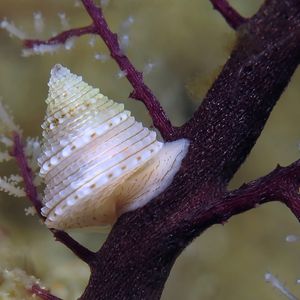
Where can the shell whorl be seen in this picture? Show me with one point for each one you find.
(97, 161)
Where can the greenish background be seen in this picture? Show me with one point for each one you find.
(190, 41)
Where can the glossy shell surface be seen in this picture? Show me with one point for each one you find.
(97, 161)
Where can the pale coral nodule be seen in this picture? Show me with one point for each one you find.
(97, 160)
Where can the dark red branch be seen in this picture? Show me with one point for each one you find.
(31, 191)
(161, 243)
(235, 110)
(141, 91)
(62, 37)
(282, 184)
(42, 293)
(138, 255)
(80, 251)
(232, 17)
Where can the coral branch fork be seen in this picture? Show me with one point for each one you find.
(282, 184)
(100, 27)
(232, 17)
(32, 194)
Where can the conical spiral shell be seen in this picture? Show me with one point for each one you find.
(97, 161)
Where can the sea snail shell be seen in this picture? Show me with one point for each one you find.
(96, 160)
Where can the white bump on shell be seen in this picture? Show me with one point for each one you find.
(97, 161)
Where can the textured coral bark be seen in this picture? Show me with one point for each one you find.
(136, 259)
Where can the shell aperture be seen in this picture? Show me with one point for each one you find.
(97, 160)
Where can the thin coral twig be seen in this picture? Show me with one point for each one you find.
(232, 17)
(62, 37)
(141, 91)
(42, 293)
(80, 251)
(282, 184)
(18, 153)
(30, 189)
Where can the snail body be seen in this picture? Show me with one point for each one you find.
(97, 161)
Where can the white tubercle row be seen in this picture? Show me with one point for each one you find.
(97, 161)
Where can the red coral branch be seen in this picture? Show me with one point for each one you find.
(137, 256)
(31, 191)
(282, 185)
(141, 91)
(232, 17)
(62, 37)
(42, 293)
(80, 251)
(171, 236)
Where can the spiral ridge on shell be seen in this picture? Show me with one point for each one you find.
(97, 161)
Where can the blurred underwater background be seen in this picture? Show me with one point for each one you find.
(181, 46)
